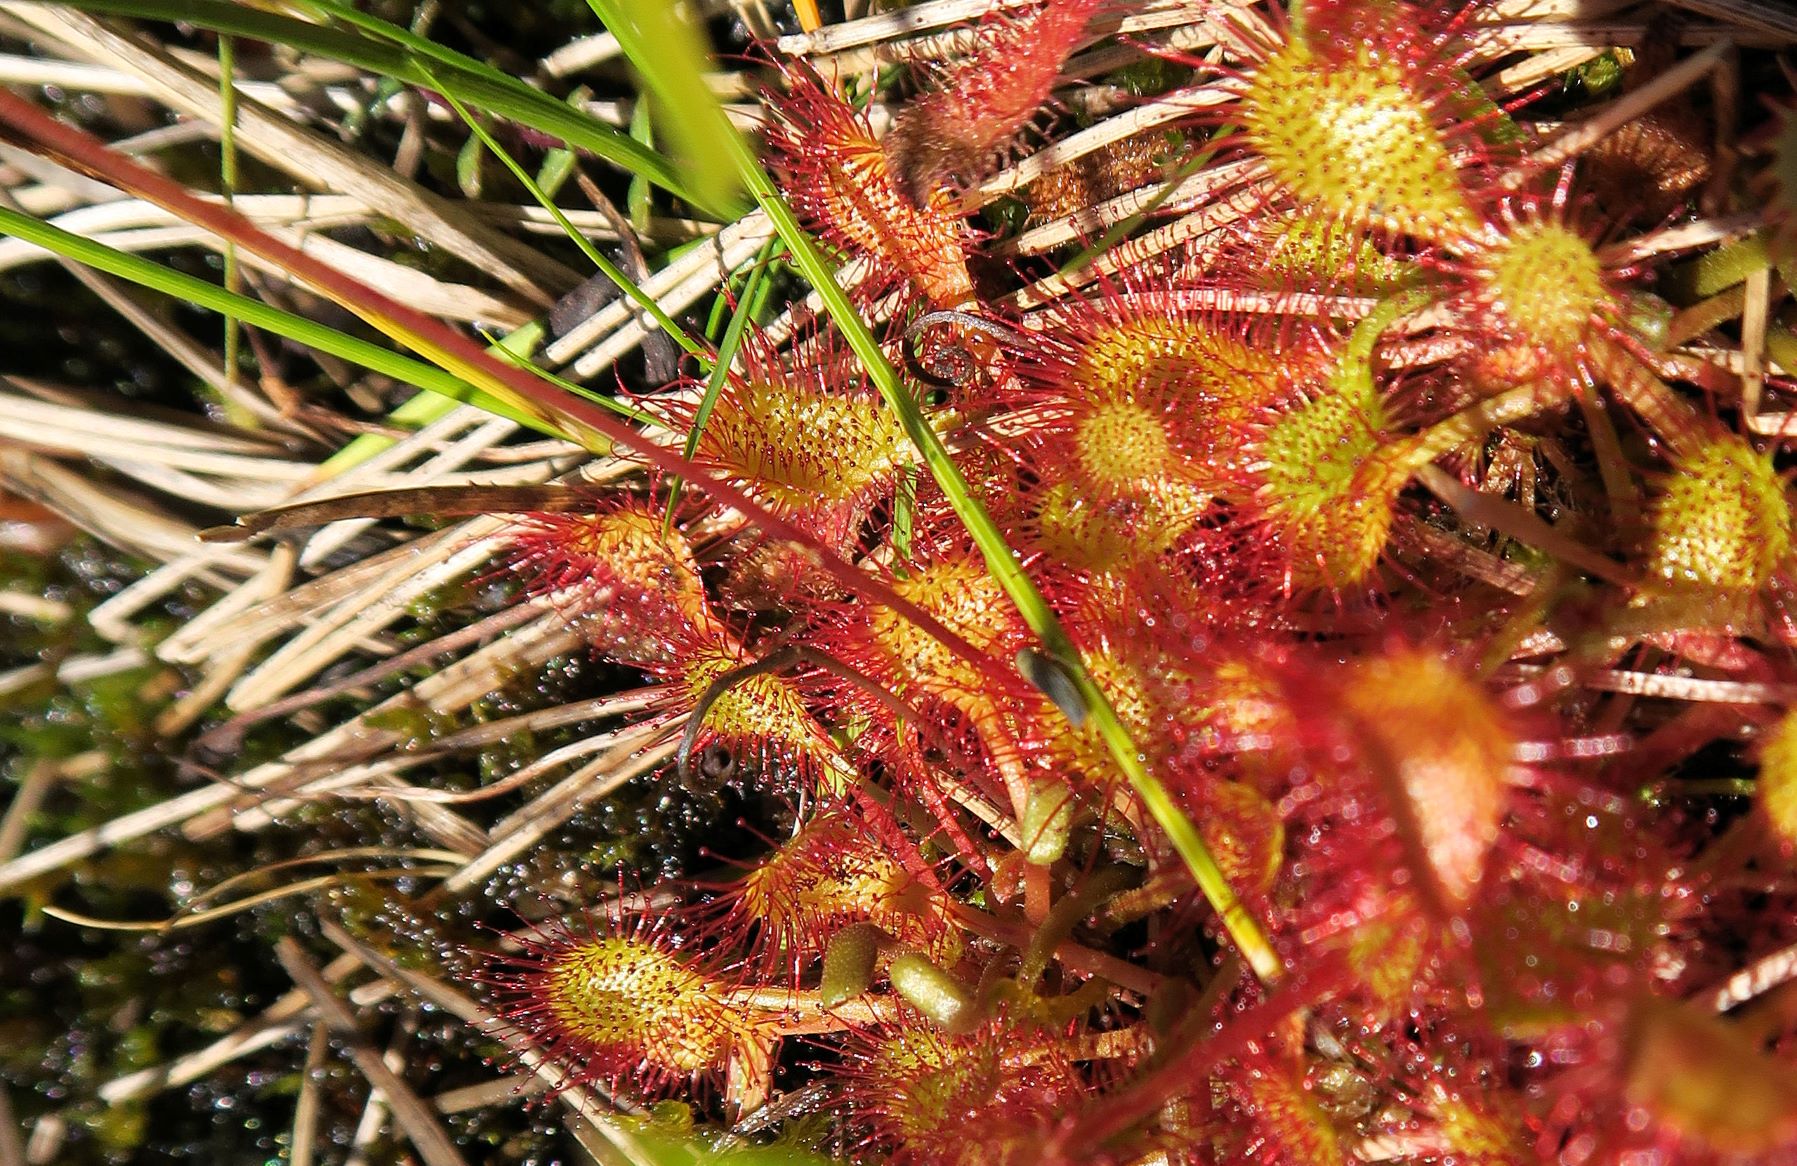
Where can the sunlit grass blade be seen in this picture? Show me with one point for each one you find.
(443, 391)
(679, 72)
(639, 197)
(403, 56)
(192, 289)
(517, 357)
(611, 270)
(514, 348)
(1003, 564)
(671, 57)
(754, 296)
(904, 512)
(227, 187)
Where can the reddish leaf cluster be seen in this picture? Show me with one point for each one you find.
(1404, 557)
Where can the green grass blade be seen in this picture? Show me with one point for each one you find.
(401, 55)
(904, 511)
(671, 56)
(153, 275)
(518, 356)
(811, 262)
(754, 298)
(611, 270)
(638, 198)
(755, 292)
(1000, 560)
(422, 409)
(467, 169)
(557, 167)
(227, 187)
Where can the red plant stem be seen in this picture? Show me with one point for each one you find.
(1078, 1139)
(934, 801)
(1068, 953)
(36, 130)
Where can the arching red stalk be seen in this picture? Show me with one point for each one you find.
(618, 568)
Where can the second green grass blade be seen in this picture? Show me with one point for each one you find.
(680, 74)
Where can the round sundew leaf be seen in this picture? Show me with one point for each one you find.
(949, 135)
(801, 447)
(1353, 139)
(1244, 830)
(763, 715)
(1722, 522)
(986, 1097)
(1122, 445)
(623, 1007)
(1125, 673)
(1283, 1112)
(638, 581)
(1143, 348)
(617, 993)
(1325, 492)
(1387, 954)
(1547, 283)
(834, 875)
(968, 601)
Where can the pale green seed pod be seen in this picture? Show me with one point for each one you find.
(1047, 823)
(939, 996)
(849, 963)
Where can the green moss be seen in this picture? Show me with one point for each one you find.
(1148, 76)
(1597, 76)
(417, 726)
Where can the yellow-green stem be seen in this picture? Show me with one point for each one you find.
(1470, 424)
(668, 69)
(227, 188)
(1000, 560)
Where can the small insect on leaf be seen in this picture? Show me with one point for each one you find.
(1056, 682)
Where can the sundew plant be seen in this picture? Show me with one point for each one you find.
(1183, 582)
